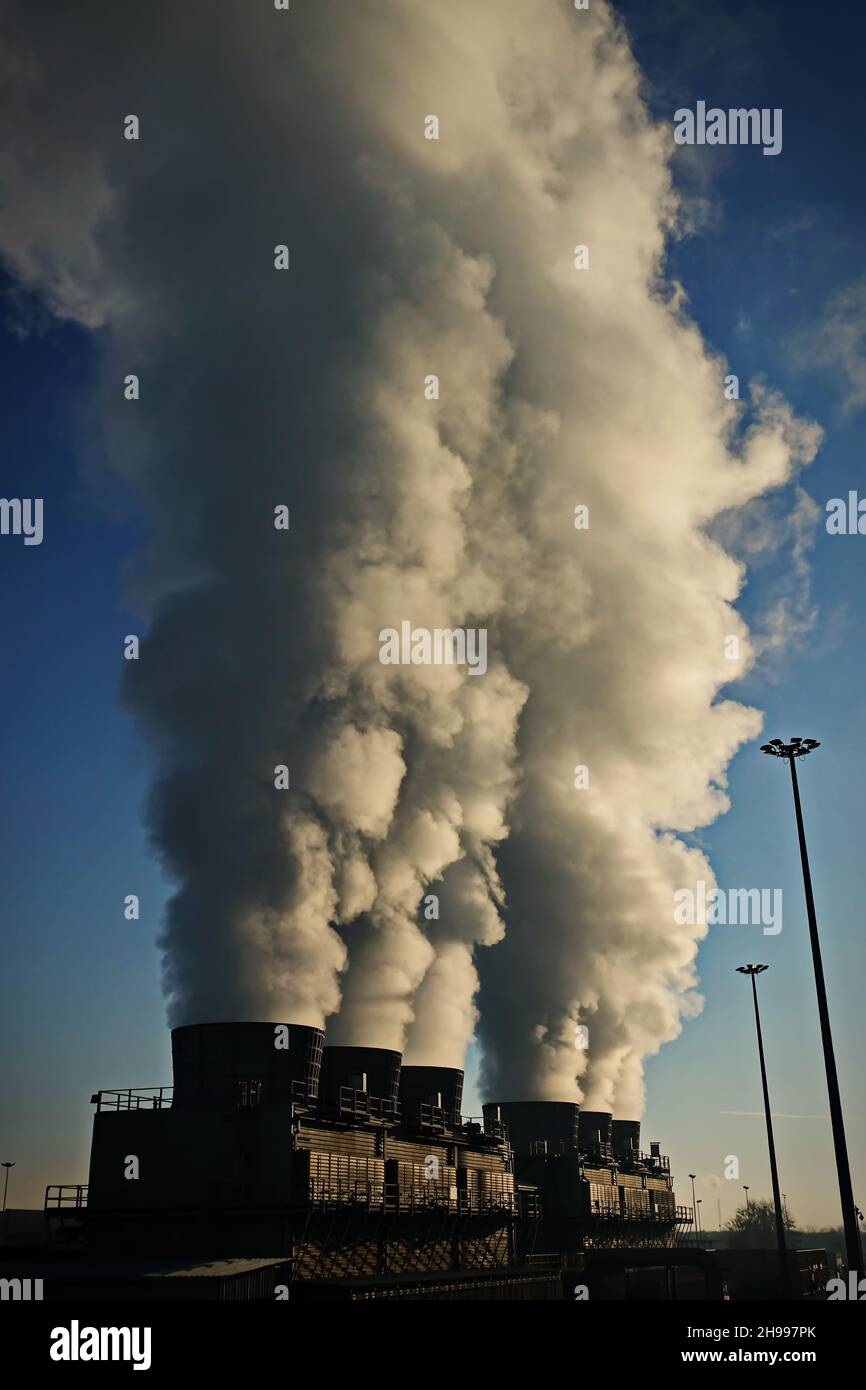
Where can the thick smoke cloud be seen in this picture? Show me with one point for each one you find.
(559, 387)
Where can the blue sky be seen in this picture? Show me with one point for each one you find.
(81, 1004)
(786, 237)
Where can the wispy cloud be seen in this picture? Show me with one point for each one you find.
(840, 344)
(776, 1114)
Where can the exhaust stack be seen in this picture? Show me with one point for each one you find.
(244, 1063)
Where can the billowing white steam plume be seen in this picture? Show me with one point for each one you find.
(409, 257)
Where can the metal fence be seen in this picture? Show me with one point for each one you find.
(66, 1196)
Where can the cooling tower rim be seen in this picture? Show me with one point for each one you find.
(247, 1023)
(572, 1104)
(362, 1047)
(432, 1066)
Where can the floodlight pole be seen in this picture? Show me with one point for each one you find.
(784, 1272)
(794, 749)
(7, 1166)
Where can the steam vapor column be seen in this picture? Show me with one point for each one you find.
(798, 748)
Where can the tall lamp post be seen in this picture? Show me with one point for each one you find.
(746, 1190)
(792, 750)
(753, 971)
(694, 1209)
(7, 1166)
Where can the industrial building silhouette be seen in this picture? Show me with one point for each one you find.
(360, 1174)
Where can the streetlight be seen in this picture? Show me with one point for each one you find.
(694, 1208)
(753, 971)
(746, 1190)
(698, 1205)
(7, 1166)
(792, 750)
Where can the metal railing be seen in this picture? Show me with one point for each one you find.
(603, 1211)
(597, 1155)
(65, 1196)
(134, 1098)
(432, 1119)
(530, 1205)
(658, 1161)
(362, 1104)
(413, 1200)
(553, 1261)
(249, 1094)
(494, 1130)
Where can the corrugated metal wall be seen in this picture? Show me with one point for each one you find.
(599, 1175)
(353, 1141)
(332, 1174)
(415, 1152)
(491, 1161)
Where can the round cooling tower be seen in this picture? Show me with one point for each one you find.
(243, 1063)
(625, 1137)
(439, 1086)
(375, 1070)
(534, 1123)
(594, 1129)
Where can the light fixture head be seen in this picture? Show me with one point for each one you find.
(794, 748)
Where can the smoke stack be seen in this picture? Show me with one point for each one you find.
(376, 1068)
(625, 1138)
(533, 1123)
(595, 1130)
(438, 1086)
(244, 1063)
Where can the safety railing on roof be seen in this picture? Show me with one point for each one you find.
(641, 1215)
(530, 1205)
(66, 1196)
(393, 1197)
(492, 1130)
(659, 1161)
(134, 1098)
(365, 1106)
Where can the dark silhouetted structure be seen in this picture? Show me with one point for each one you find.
(596, 1187)
(359, 1171)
